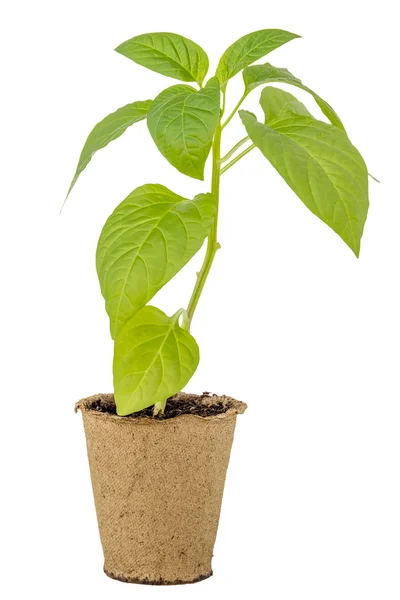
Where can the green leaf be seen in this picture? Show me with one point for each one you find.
(276, 102)
(250, 48)
(262, 74)
(182, 122)
(109, 129)
(321, 166)
(169, 54)
(154, 358)
(148, 238)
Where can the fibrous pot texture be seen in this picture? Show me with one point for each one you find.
(158, 485)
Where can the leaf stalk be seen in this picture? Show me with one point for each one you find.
(233, 150)
(233, 113)
(237, 158)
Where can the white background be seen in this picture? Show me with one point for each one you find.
(290, 321)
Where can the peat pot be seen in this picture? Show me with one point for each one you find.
(158, 484)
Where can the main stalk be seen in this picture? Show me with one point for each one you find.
(212, 243)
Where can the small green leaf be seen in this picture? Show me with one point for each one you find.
(321, 166)
(169, 54)
(148, 238)
(109, 129)
(154, 358)
(276, 102)
(182, 122)
(250, 48)
(262, 74)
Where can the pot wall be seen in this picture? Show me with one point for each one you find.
(158, 487)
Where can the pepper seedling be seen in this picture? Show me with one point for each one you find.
(154, 232)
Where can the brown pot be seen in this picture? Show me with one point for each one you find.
(158, 486)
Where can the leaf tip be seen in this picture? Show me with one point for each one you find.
(245, 114)
(196, 175)
(120, 48)
(66, 198)
(213, 81)
(356, 250)
(74, 180)
(62, 205)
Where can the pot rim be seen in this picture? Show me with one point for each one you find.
(236, 407)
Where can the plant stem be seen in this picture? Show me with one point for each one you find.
(159, 407)
(223, 102)
(212, 244)
(238, 157)
(235, 147)
(234, 110)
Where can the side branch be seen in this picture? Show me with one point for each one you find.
(237, 158)
(234, 110)
(235, 147)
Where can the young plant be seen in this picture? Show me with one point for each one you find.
(154, 232)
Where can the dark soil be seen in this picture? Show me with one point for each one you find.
(206, 405)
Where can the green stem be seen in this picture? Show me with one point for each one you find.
(238, 157)
(212, 244)
(235, 147)
(223, 102)
(234, 110)
(159, 407)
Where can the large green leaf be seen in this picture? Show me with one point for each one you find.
(110, 129)
(262, 74)
(169, 54)
(250, 48)
(276, 102)
(148, 238)
(154, 358)
(321, 166)
(182, 122)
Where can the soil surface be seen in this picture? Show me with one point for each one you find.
(206, 405)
